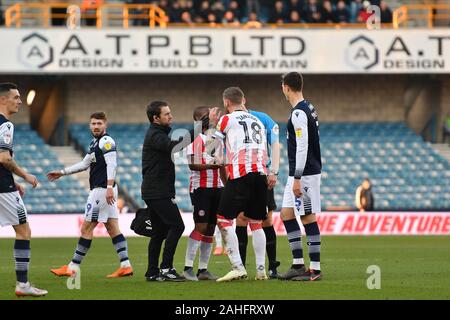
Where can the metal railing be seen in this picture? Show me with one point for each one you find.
(428, 15)
(43, 14)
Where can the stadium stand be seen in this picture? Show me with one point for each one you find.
(226, 12)
(407, 174)
(65, 196)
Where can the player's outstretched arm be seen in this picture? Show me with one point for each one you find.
(80, 166)
(8, 162)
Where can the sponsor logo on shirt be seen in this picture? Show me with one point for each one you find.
(298, 133)
(108, 146)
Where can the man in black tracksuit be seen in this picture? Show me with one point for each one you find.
(158, 192)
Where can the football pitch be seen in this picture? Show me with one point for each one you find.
(411, 268)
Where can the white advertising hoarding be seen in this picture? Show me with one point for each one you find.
(257, 51)
(330, 223)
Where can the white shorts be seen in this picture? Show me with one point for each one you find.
(310, 200)
(12, 209)
(97, 209)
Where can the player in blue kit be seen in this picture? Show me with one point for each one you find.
(101, 205)
(302, 191)
(12, 209)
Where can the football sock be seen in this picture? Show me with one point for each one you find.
(259, 244)
(218, 237)
(22, 254)
(81, 250)
(232, 246)
(242, 235)
(271, 244)
(120, 244)
(313, 237)
(295, 241)
(192, 247)
(205, 252)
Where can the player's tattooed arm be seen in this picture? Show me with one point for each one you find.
(8, 163)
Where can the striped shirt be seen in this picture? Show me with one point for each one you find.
(209, 178)
(245, 143)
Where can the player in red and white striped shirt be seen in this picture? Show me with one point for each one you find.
(246, 189)
(205, 189)
(206, 178)
(245, 143)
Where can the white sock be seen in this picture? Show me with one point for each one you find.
(191, 252)
(125, 264)
(73, 265)
(314, 265)
(218, 237)
(232, 246)
(259, 246)
(205, 254)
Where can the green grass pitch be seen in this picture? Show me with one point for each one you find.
(411, 268)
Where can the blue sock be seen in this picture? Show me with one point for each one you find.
(313, 237)
(295, 241)
(81, 250)
(22, 254)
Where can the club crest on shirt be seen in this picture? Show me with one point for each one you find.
(7, 139)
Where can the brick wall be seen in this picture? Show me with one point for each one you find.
(337, 98)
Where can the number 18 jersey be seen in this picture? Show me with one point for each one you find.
(245, 143)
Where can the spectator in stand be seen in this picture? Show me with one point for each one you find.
(386, 13)
(198, 19)
(278, 14)
(189, 5)
(253, 21)
(341, 14)
(364, 199)
(230, 20)
(234, 6)
(356, 6)
(186, 18)
(266, 8)
(205, 10)
(327, 12)
(212, 19)
(253, 6)
(363, 14)
(163, 4)
(219, 10)
(175, 12)
(296, 5)
(313, 12)
(295, 17)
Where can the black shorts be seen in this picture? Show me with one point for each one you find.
(206, 203)
(247, 194)
(271, 204)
